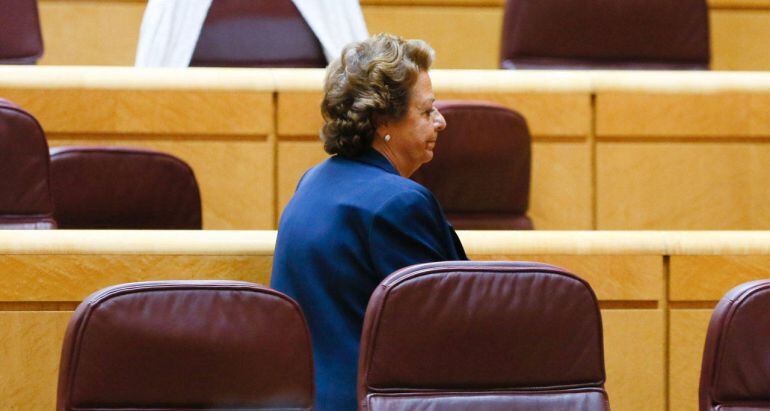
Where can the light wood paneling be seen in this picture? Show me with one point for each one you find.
(94, 32)
(235, 176)
(136, 242)
(478, 243)
(672, 115)
(709, 277)
(740, 38)
(635, 359)
(73, 277)
(687, 337)
(613, 278)
(447, 30)
(299, 123)
(294, 159)
(682, 185)
(738, 4)
(30, 346)
(547, 114)
(703, 110)
(658, 243)
(560, 186)
(102, 110)
(299, 112)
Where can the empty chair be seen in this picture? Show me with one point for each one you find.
(482, 336)
(595, 34)
(256, 33)
(735, 374)
(186, 345)
(25, 197)
(480, 170)
(123, 188)
(20, 39)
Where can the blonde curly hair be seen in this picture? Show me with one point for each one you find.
(370, 82)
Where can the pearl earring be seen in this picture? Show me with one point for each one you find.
(387, 137)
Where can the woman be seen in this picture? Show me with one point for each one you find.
(356, 217)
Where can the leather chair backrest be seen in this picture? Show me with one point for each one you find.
(20, 39)
(482, 336)
(481, 165)
(123, 188)
(256, 33)
(735, 374)
(585, 34)
(186, 345)
(25, 197)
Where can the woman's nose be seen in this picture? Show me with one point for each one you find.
(440, 122)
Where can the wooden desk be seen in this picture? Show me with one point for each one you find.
(219, 121)
(682, 151)
(656, 292)
(557, 106)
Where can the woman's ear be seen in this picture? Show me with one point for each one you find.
(380, 131)
(380, 126)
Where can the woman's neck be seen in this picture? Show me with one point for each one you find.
(402, 167)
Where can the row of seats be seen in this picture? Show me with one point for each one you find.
(89, 187)
(480, 175)
(449, 336)
(574, 34)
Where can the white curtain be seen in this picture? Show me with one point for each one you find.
(170, 28)
(169, 32)
(335, 22)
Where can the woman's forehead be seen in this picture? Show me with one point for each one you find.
(422, 91)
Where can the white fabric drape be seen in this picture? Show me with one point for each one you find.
(335, 22)
(169, 32)
(170, 28)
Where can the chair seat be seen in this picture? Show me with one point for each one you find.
(256, 33)
(195, 345)
(598, 34)
(123, 188)
(480, 172)
(486, 336)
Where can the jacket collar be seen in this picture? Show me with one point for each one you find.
(375, 158)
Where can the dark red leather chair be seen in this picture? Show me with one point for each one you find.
(186, 345)
(256, 33)
(595, 34)
(735, 375)
(25, 197)
(483, 336)
(480, 170)
(20, 39)
(123, 188)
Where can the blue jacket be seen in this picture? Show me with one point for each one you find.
(350, 224)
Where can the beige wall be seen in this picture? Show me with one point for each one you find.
(655, 289)
(465, 33)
